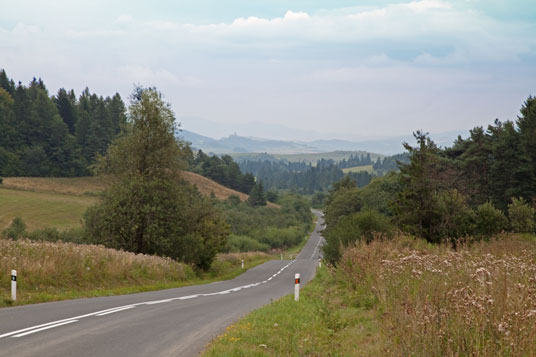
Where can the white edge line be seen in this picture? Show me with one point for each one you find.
(22, 332)
(44, 328)
(116, 310)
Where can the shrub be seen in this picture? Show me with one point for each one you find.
(365, 225)
(16, 230)
(51, 234)
(281, 237)
(489, 220)
(1, 180)
(456, 219)
(521, 216)
(240, 243)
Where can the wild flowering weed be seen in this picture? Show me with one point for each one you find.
(434, 301)
(49, 267)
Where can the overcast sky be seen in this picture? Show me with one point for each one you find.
(333, 68)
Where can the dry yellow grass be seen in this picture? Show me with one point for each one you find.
(48, 269)
(94, 185)
(56, 271)
(64, 185)
(479, 300)
(207, 186)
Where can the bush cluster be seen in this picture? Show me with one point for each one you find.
(264, 228)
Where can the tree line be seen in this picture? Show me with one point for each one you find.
(306, 178)
(473, 190)
(59, 135)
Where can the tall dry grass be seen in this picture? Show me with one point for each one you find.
(57, 268)
(63, 185)
(479, 300)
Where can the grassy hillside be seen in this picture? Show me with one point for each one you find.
(367, 168)
(42, 209)
(65, 185)
(207, 186)
(403, 297)
(60, 202)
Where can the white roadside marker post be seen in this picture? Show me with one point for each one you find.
(242, 263)
(14, 285)
(281, 256)
(319, 263)
(296, 287)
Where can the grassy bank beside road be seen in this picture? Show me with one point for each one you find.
(325, 322)
(403, 297)
(59, 271)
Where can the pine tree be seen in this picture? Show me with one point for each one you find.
(257, 196)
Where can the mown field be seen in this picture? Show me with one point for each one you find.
(44, 202)
(403, 297)
(367, 168)
(43, 209)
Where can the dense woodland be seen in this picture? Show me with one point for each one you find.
(307, 178)
(54, 136)
(472, 190)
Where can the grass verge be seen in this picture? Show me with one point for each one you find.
(59, 271)
(327, 321)
(403, 297)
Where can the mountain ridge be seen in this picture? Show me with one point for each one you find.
(236, 144)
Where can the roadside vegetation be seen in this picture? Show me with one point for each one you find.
(434, 260)
(401, 297)
(50, 271)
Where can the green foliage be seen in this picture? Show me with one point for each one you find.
(257, 196)
(364, 225)
(274, 227)
(381, 193)
(16, 230)
(223, 170)
(456, 219)
(272, 196)
(489, 220)
(342, 202)
(148, 208)
(233, 200)
(318, 199)
(241, 243)
(54, 136)
(522, 216)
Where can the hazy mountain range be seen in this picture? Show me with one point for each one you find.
(241, 144)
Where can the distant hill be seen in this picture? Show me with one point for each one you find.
(235, 144)
(241, 144)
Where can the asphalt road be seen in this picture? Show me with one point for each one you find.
(173, 322)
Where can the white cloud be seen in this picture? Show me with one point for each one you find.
(427, 5)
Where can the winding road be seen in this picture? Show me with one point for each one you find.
(173, 322)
